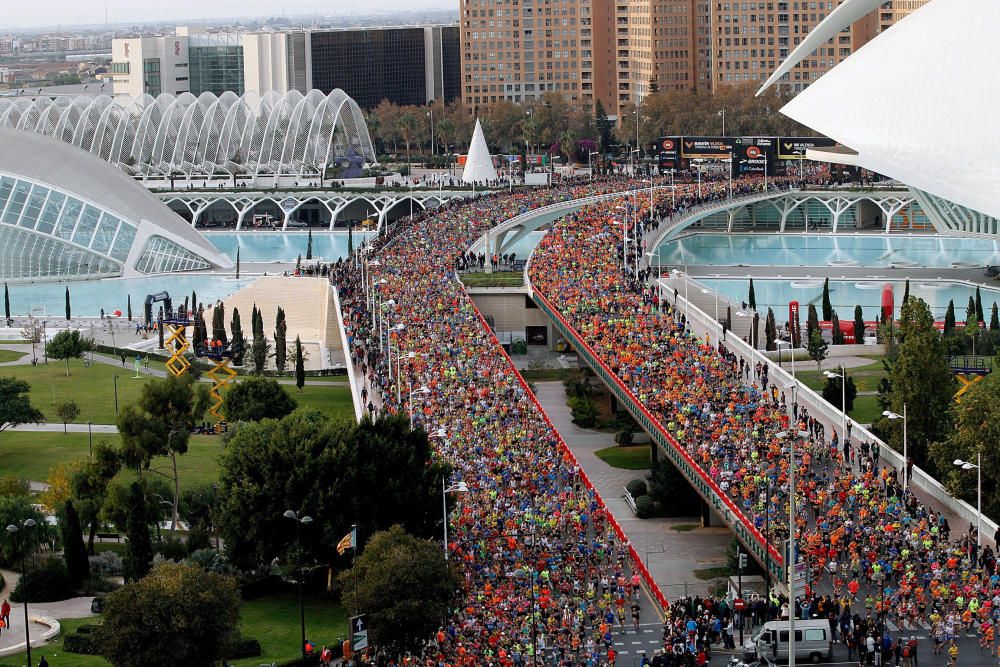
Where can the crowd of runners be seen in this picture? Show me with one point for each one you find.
(871, 544)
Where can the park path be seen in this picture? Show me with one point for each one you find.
(671, 556)
(12, 640)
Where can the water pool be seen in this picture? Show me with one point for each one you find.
(283, 246)
(871, 250)
(846, 294)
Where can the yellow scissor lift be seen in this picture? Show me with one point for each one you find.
(969, 370)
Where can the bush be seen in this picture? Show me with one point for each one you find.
(198, 539)
(80, 642)
(636, 488)
(577, 384)
(644, 507)
(106, 564)
(519, 347)
(584, 412)
(172, 549)
(244, 647)
(625, 437)
(49, 583)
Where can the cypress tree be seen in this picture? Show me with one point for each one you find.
(139, 548)
(812, 321)
(838, 335)
(69, 310)
(979, 306)
(239, 344)
(129, 307)
(309, 246)
(350, 239)
(906, 291)
(751, 297)
(6, 302)
(280, 344)
(994, 318)
(237, 262)
(194, 300)
(949, 319)
(859, 325)
(827, 306)
(970, 316)
(300, 366)
(219, 324)
(74, 551)
(770, 331)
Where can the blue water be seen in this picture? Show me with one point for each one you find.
(845, 294)
(87, 297)
(283, 246)
(825, 249)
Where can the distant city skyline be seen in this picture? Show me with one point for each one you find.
(68, 13)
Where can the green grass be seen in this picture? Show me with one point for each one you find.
(273, 621)
(866, 409)
(712, 572)
(866, 377)
(544, 374)
(11, 355)
(628, 458)
(497, 279)
(330, 398)
(30, 455)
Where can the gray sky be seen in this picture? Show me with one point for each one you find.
(73, 12)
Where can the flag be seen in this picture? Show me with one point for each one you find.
(349, 541)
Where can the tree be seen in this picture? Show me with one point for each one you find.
(827, 306)
(770, 331)
(69, 310)
(33, 332)
(219, 324)
(300, 365)
(159, 424)
(977, 425)
(89, 487)
(178, 615)
(139, 548)
(407, 127)
(67, 412)
(257, 398)
(949, 319)
(129, 307)
(238, 347)
(280, 342)
(77, 565)
(6, 302)
(833, 394)
(817, 347)
(373, 474)
(604, 128)
(404, 586)
(812, 321)
(859, 325)
(836, 334)
(238, 256)
(980, 317)
(309, 246)
(906, 291)
(920, 376)
(14, 510)
(260, 346)
(15, 405)
(971, 323)
(752, 297)
(994, 318)
(67, 344)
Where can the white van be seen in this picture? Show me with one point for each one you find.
(813, 642)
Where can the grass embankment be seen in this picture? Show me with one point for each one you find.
(627, 458)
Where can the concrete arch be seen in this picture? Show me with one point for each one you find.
(392, 212)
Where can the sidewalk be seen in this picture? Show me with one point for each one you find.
(671, 556)
(12, 640)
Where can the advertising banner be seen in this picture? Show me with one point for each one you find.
(754, 155)
(719, 148)
(666, 150)
(794, 148)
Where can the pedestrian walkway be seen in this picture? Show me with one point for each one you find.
(671, 556)
(12, 639)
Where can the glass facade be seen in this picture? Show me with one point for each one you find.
(161, 255)
(371, 65)
(451, 63)
(216, 69)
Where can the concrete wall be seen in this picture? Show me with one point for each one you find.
(506, 307)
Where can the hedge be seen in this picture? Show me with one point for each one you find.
(636, 488)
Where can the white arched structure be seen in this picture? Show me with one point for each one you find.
(291, 134)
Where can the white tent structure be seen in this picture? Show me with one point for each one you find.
(479, 162)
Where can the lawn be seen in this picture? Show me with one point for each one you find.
(866, 377)
(272, 620)
(30, 455)
(628, 458)
(866, 409)
(544, 374)
(330, 398)
(496, 279)
(11, 355)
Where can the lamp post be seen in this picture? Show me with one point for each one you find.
(843, 397)
(299, 522)
(590, 162)
(20, 528)
(431, 114)
(723, 114)
(791, 353)
(893, 415)
(717, 323)
(964, 465)
(421, 391)
(457, 487)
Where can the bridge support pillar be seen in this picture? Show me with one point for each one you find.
(709, 518)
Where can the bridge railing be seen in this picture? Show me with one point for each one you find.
(720, 502)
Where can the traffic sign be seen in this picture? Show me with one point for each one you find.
(799, 580)
(739, 604)
(359, 632)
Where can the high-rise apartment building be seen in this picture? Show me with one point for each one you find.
(618, 50)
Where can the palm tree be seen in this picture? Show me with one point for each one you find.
(407, 127)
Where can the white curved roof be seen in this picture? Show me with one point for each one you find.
(917, 102)
(250, 133)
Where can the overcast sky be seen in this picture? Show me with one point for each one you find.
(73, 12)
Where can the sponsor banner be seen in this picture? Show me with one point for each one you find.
(667, 151)
(794, 148)
(719, 148)
(754, 155)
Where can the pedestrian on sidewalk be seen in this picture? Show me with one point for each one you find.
(5, 613)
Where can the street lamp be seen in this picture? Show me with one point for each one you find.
(893, 415)
(20, 527)
(590, 162)
(299, 522)
(791, 353)
(723, 114)
(420, 391)
(717, 323)
(457, 487)
(843, 396)
(964, 465)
